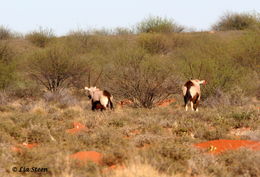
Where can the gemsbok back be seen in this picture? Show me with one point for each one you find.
(191, 89)
(191, 92)
(100, 99)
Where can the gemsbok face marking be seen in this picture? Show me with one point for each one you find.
(191, 92)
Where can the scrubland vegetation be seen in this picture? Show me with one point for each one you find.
(42, 77)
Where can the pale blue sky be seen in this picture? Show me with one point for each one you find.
(65, 15)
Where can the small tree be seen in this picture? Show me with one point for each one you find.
(237, 21)
(158, 25)
(56, 68)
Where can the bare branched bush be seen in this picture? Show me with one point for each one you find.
(56, 68)
(143, 79)
(63, 97)
(235, 97)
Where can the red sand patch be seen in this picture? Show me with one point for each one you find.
(218, 146)
(93, 156)
(113, 167)
(132, 134)
(167, 130)
(166, 102)
(144, 146)
(77, 128)
(24, 145)
(85, 156)
(124, 102)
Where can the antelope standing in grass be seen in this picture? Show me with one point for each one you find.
(100, 99)
(191, 90)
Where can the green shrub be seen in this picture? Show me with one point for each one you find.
(7, 66)
(158, 25)
(81, 40)
(154, 43)
(41, 38)
(247, 50)
(211, 59)
(143, 79)
(237, 21)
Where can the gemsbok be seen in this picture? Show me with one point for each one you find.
(191, 92)
(100, 99)
(191, 89)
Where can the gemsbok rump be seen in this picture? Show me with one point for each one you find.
(100, 99)
(191, 92)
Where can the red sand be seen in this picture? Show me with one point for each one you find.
(77, 128)
(113, 167)
(96, 157)
(85, 156)
(166, 102)
(132, 134)
(144, 146)
(124, 102)
(218, 146)
(24, 145)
